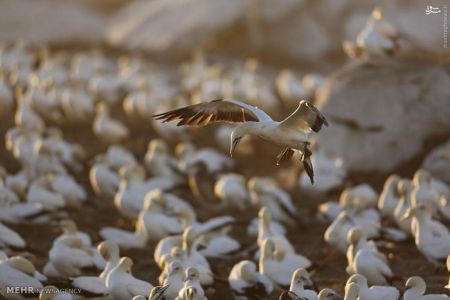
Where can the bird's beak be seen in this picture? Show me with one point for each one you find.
(234, 145)
(163, 289)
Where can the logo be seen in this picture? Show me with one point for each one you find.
(432, 10)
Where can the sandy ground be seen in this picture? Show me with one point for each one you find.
(329, 268)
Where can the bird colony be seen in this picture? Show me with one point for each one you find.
(101, 200)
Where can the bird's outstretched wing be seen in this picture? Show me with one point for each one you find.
(305, 117)
(222, 110)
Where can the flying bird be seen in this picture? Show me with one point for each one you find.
(292, 133)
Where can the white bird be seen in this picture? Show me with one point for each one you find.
(159, 162)
(194, 258)
(25, 116)
(103, 179)
(133, 190)
(18, 272)
(300, 278)
(328, 211)
(41, 192)
(371, 264)
(77, 104)
(362, 196)
(192, 288)
(106, 128)
(378, 39)
(389, 197)
(247, 283)
(22, 143)
(213, 160)
(415, 290)
(232, 191)
(291, 133)
(277, 264)
(155, 222)
(119, 157)
(70, 229)
(357, 240)
(9, 237)
(174, 280)
(7, 196)
(336, 233)
(18, 182)
(375, 292)
(275, 228)
(65, 185)
(264, 231)
(351, 291)
(97, 284)
(423, 192)
(264, 192)
(434, 247)
(68, 256)
(121, 284)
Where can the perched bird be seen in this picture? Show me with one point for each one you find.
(435, 247)
(336, 233)
(174, 280)
(292, 133)
(192, 288)
(415, 290)
(107, 128)
(363, 258)
(121, 284)
(351, 291)
(276, 264)
(18, 272)
(159, 162)
(265, 232)
(423, 192)
(97, 284)
(375, 292)
(247, 283)
(68, 256)
(265, 192)
(232, 191)
(378, 39)
(104, 180)
(10, 238)
(300, 278)
(389, 197)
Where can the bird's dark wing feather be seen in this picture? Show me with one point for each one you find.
(222, 110)
(307, 164)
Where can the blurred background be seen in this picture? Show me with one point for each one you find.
(90, 74)
(301, 36)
